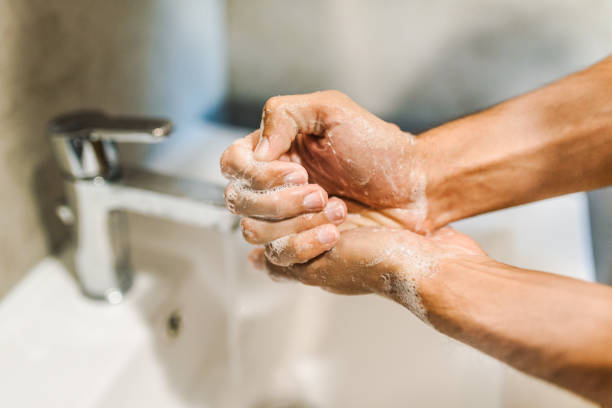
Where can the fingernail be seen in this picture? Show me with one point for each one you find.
(262, 146)
(295, 178)
(334, 211)
(313, 201)
(327, 235)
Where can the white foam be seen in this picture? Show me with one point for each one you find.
(240, 189)
(248, 234)
(231, 196)
(407, 293)
(418, 188)
(417, 264)
(276, 251)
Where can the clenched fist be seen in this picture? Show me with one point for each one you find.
(308, 148)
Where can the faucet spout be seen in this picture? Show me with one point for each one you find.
(100, 193)
(102, 255)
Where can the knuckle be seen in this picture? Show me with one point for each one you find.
(271, 203)
(309, 220)
(394, 127)
(335, 94)
(302, 255)
(272, 104)
(302, 251)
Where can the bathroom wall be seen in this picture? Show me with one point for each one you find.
(149, 57)
(415, 62)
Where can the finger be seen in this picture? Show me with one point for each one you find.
(237, 162)
(310, 273)
(274, 204)
(364, 216)
(257, 258)
(302, 247)
(257, 231)
(282, 119)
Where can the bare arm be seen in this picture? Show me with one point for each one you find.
(552, 141)
(552, 327)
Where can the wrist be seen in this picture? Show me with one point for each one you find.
(454, 296)
(430, 156)
(417, 270)
(461, 166)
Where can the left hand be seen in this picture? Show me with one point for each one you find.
(387, 261)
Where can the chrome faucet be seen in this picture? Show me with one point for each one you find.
(99, 192)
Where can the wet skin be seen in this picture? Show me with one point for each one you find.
(552, 141)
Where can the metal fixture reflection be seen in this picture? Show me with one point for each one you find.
(99, 191)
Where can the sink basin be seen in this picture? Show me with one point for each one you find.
(201, 328)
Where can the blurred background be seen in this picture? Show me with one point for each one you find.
(417, 63)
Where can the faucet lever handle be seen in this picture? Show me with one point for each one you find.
(94, 125)
(84, 142)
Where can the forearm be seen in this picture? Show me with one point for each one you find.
(553, 141)
(552, 327)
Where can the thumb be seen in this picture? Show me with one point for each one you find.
(282, 119)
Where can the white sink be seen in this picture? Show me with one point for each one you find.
(201, 328)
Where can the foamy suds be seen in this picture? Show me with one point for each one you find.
(231, 196)
(418, 188)
(412, 262)
(417, 265)
(276, 249)
(416, 182)
(250, 165)
(241, 188)
(248, 234)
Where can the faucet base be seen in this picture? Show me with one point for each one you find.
(113, 295)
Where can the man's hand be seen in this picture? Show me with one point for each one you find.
(553, 141)
(328, 139)
(387, 261)
(276, 201)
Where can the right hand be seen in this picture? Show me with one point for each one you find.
(346, 150)
(276, 201)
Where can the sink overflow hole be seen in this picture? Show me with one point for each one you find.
(174, 324)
